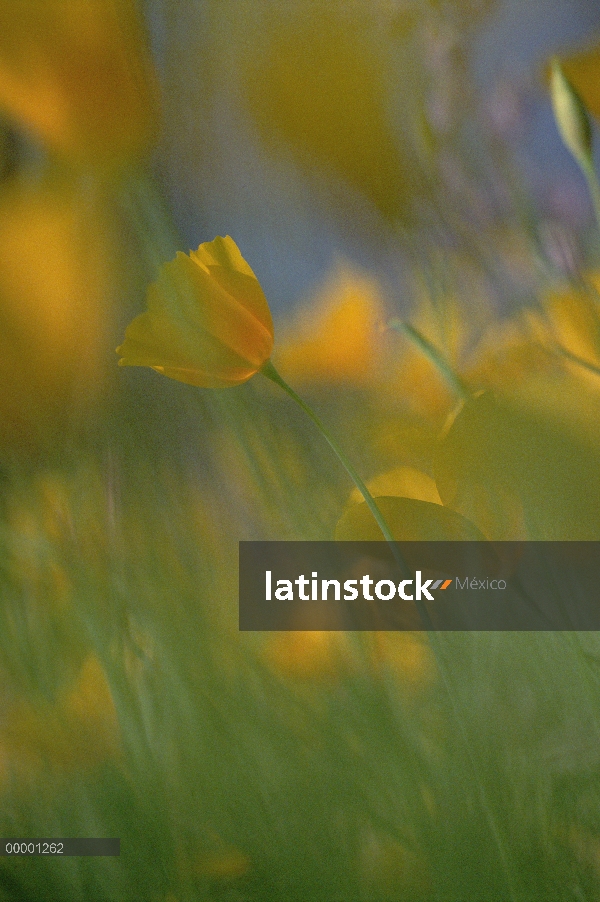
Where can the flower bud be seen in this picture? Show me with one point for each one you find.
(208, 322)
(571, 116)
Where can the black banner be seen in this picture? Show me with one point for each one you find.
(57, 847)
(463, 585)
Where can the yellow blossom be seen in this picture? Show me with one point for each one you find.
(409, 520)
(394, 870)
(573, 316)
(317, 82)
(223, 863)
(572, 117)
(508, 356)
(79, 730)
(56, 293)
(451, 327)
(404, 482)
(208, 322)
(407, 655)
(309, 655)
(336, 338)
(76, 73)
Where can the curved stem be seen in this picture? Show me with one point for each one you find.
(574, 358)
(271, 373)
(454, 381)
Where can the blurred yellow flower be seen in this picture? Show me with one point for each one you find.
(317, 80)
(450, 326)
(208, 322)
(324, 656)
(408, 656)
(224, 863)
(583, 71)
(509, 356)
(57, 274)
(311, 656)
(78, 75)
(409, 520)
(394, 870)
(572, 117)
(404, 482)
(573, 316)
(336, 338)
(561, 336)
(80, 730)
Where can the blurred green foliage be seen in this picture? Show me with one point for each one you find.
(299, 766)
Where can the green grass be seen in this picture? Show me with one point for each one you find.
(231, 780)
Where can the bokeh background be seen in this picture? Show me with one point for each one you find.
(382, 164)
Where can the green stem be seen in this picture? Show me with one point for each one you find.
(593, 187)
(271, 373)
(457, 385)
(142, 203)
(574, 358)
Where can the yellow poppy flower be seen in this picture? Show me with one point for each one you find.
(573, 316)
(224, 863)
(408, 656)
(208, 322)
(320, 83)
(393, 870)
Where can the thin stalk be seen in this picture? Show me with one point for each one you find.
(271, 373)
(574, 358)
(155, 231)
(593, 187)
(454, 381)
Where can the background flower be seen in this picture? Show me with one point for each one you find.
(78, 76)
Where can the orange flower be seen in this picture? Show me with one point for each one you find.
(208, 322)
